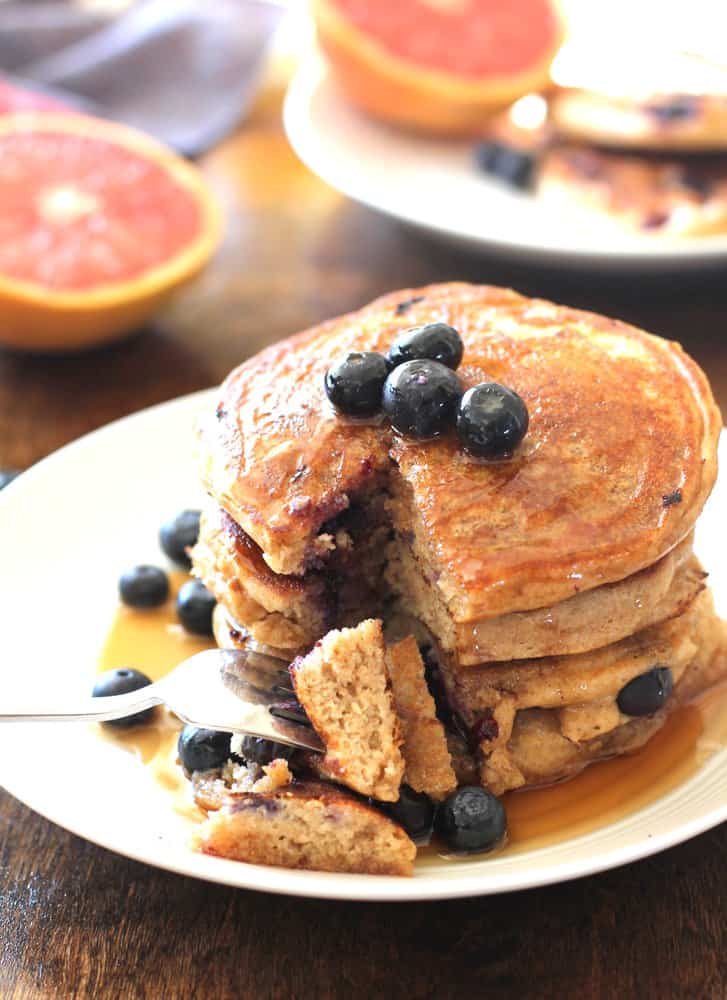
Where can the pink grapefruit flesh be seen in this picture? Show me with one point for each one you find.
(77, 211)
(468, 38)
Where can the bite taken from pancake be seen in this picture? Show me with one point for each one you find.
(508, 485)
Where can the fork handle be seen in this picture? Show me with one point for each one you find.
(103, 709)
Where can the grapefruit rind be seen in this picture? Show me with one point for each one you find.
(419, 98)
(35, 317)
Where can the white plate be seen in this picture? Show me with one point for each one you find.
(435, 186)
(67, 527)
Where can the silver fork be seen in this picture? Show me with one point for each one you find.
(233, 690)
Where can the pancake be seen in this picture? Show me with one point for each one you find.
(424, 748)
(291, 613)
(590, 498)
(287, 611)
(586, 621)
(659, 99)
(546, 719)
(344, 686)
(541, 754)
(572, 699)
(664, 122)
(651, 196)
(307, 825)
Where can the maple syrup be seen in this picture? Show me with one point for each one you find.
(153, 641)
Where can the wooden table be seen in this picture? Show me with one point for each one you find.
(78, 921)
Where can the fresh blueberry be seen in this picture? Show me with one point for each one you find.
(195, 605)
(436, 341)
(178, 534)
(415, 812)
(514, 166)
(421, 397)
(258, 751)
(7, 476)
(144, 587)
(492, 421)
(354, 383)
(471, 819)
(202, 749)
(646, 693)
(123, 681)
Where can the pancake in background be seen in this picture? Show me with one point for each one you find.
(654, 196)
(663, 101)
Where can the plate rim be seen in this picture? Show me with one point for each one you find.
(344, 886)
(312, 75)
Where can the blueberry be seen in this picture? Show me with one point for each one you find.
(492, 421)
(415, 812)
(354, 383)
(144, 587)
(484, 730)
(420, 398)
(7, 476)
(123, 681)
(202, 749)
(677, 109)
(646, 693)
(195, 605)
(514, 166)
(700, 184)
(178, 534)
(471, 819)
(486, 154)
(259, 751)
(436, 341)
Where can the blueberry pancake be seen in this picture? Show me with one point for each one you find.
(578, 699)
(619, 457)
(553, 588)
(307, 825)
(651, 195)
(657, 100)
(670, 122)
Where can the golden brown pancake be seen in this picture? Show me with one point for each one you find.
(588, 620)
(618, 461)
(288, 611)
(307, 825)
(291, 613)
(574, 697)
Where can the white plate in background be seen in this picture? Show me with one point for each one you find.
(434, 185)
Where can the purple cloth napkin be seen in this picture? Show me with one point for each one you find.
(182, 70)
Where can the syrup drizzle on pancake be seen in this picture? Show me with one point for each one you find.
(605, 792)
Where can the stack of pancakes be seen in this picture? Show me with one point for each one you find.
(545, 583)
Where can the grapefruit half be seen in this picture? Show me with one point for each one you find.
(438, 65)
(98, 225)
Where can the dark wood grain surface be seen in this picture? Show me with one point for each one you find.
(78, 921)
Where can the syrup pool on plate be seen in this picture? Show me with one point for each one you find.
(153, 641)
